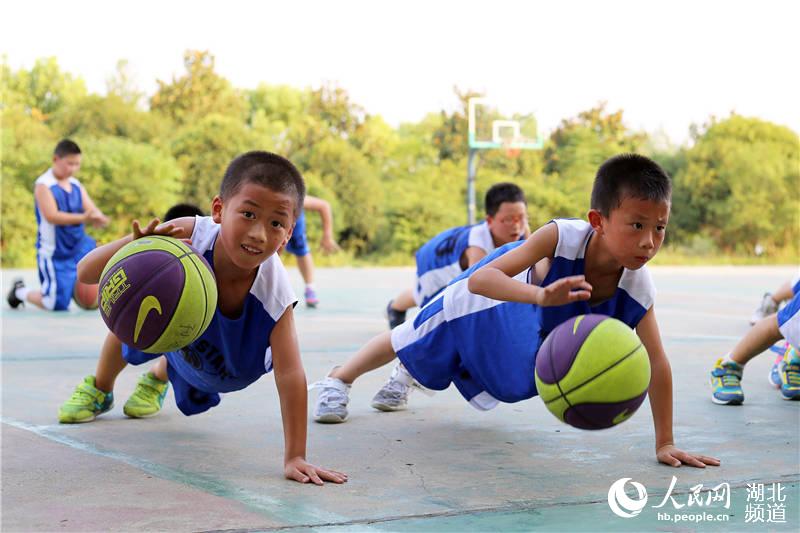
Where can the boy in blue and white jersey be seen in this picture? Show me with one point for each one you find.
(770, 304)
(454, 250)
(62, 206)
(298, 244)
(771, 301)
(252, 331)
(726, 376)
(482, 333)
(445, 257)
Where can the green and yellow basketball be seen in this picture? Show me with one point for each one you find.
(157, 294)
(592, 372)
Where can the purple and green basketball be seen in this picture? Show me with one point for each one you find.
(592, 372)
(157, 294)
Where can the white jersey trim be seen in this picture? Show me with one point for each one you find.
(459, 301)
(572, 238)
(432, 281)
(790, 330)
(481, 237)
(47, 231)
(639, 286)
(272, 286)
(405, 334)
(484, 402)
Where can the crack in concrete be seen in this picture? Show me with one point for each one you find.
(421, 479)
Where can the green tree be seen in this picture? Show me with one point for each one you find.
(334, 107)
(347, 172)
(127, 181)
(123, 85)
(27, 148)
(741, 184)
(198, 92)
(579, 146)
(203, 149)
(42, 90)
(98, 116)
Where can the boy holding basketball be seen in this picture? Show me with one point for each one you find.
(444, 257)
(62, 206)
(252, 331)
(483, 331)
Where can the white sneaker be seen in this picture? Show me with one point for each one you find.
(767, 307)
(331, 406)
(393, 396)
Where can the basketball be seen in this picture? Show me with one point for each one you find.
(592, 372)
(157, 294)
(85, 295)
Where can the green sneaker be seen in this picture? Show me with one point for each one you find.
(147, 399)
(85, 404)
(726, 381)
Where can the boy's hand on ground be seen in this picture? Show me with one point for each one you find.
(168, 230)
(672, 456)
(564, 291)
(299, 470)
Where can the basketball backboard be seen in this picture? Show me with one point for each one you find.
(491, 127)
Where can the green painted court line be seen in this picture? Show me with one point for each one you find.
(273, 507)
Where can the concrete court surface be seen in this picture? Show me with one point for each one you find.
(439, 466)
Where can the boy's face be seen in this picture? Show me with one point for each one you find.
(255, 223)
(509, 223)
(634, 231)
(67, 166)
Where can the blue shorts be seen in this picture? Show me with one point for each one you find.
(796, 285)
(789, 321)
(58, 276)
(190, 399)
(298, 243)
(427, 349)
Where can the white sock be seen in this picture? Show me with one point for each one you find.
(22, 293)
(310, 286)
(727, 359)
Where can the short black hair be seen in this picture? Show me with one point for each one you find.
(182, 210)
(264, 168)
(66, 147)
(629, 175)
(502, 192)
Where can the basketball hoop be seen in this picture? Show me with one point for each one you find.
(511, 151)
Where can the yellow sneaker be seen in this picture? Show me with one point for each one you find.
(85, 404)
(147, 399)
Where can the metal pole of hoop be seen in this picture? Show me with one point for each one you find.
(471, 186)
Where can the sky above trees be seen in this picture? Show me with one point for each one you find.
(667, 63)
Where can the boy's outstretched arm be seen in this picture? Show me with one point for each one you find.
(660, 393)
(96, 217)
(319, 205)
(495, 279)
(93, 263)
(290, 378)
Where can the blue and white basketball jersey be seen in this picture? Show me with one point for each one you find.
(59, 242)
(789, 321)
(233, 353)
(497, 341)
(439, 260)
